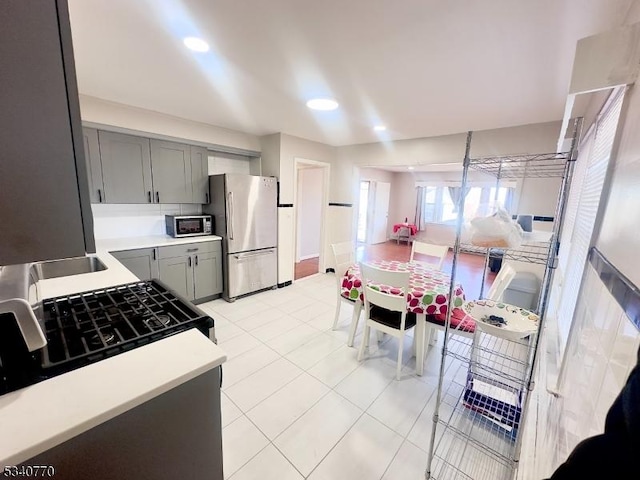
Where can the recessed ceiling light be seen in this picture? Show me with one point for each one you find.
(196, 44)
(411, 168)
(322, 104)
(379, 128)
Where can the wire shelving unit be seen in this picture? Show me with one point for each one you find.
(477, 432)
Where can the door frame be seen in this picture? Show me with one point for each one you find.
(298, 163)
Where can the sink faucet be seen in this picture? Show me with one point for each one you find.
(14, 298)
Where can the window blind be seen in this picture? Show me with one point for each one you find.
(581, 212)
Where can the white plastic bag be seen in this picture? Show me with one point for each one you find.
(496, 231)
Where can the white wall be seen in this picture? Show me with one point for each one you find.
(309, 212)
(229, 163)
(279, 152)
(118, 115)
(534, 138)
(123, 220)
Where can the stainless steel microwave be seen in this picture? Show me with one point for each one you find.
(188, 225)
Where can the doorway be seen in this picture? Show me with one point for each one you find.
(379, 213)
(310, 200)
(363, 209)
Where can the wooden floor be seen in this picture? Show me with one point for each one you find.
(305, 268)
(469, 271)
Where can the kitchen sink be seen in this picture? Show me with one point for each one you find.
(67, 267)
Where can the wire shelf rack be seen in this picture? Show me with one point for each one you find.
(457, 458)
(545, 165)
(458, 418)
(532, 252)
(496, 358)
(480, 411)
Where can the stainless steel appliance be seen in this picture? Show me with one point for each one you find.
(87, 327)
(245, 214)
(188, 225)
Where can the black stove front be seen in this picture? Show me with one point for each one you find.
(87, 327)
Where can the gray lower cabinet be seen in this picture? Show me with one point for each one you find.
(94, 165)
(192, 270)
(200, 174)
(177, 274)
(171, 166)
(142, 262)
(207, 274)
(182, 425)
(126, 168)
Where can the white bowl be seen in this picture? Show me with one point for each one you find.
(520, 323)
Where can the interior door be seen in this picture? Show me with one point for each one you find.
(380, 213)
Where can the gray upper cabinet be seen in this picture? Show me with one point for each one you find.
(200, 174)
(171, 164)
(126, 168)
(45, 211)
(94, 165)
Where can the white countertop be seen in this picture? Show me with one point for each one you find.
(41, 416)
(116, 273)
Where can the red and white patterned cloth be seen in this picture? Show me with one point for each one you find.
(428, 288)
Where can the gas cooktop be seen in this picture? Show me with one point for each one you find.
(87, 327)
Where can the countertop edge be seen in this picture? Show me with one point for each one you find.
(217, 358)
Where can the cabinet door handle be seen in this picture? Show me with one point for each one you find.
(196, 260)
(157, 197)
(149, 196)
(99, 196)
(154, 253)
(206, 198)
(189, 261)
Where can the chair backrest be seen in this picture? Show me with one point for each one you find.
(438, 251)
(377, 276)
(502, 281)
(344, 256)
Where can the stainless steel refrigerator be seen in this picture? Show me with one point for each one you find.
(245, 212)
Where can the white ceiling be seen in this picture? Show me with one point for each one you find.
(421, 67)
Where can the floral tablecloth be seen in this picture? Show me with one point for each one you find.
(428, 288)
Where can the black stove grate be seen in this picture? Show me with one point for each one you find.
(87, 327)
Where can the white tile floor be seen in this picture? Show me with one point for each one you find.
(297, 404)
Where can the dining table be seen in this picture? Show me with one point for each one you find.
(428, 295)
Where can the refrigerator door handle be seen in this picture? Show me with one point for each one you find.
(240, 256)
(230, 222)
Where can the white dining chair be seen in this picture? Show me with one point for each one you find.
(404, 235)
(431, 250)
(385, 312)
(344, 257)
(501, 282)
(499, 285)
